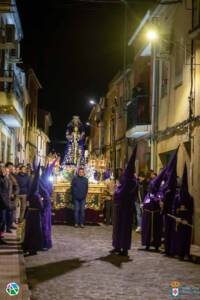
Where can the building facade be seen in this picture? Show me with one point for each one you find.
(108, 122)
(31, 129)
(13, 97)
(174, 88)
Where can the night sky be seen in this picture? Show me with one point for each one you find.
(75, 48)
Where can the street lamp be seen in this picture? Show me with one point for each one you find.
(152, 35)
(92, 102)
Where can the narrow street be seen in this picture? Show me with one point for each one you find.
(79, 267)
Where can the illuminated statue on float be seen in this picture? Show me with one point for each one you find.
(75, 148)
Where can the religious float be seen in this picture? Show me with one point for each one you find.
(75, 156)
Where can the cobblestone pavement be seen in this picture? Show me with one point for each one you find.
(79, 268)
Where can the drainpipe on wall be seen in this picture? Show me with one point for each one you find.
(154, 105)
(191, 99)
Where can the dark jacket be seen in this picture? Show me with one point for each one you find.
(4, 192)
(13, 190)
(79, 188)
(24, 182)
(14, 186)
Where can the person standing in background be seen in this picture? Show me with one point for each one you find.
(109, 192)
(24, 182)
(79, 194)
(139, 200)
(14, 191)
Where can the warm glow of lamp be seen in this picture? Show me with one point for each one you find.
(152, 35)
(92, 102)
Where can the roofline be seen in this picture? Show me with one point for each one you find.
(31, 72)
(119, 76)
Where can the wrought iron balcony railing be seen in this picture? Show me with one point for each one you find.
(138, 111)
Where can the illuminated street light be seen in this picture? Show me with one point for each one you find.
(92, 102)
(152, 35)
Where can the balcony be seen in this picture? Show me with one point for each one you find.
(138, 117)
(11, 99)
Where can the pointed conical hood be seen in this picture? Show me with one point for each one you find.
(129, 171)
(45, 183)
(49, 169)
(170, 175)
(52, 166)
(35, 183)
(185, 197)
(156, 182)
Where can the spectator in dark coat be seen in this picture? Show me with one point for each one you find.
(79, 193)
(24, 182)
(14, 191)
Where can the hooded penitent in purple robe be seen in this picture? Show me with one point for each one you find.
(151, 222)
(45, 188)
(160, 189)
(124, 197)
(168, 192)
(184, 212)
(151, 216)
(33, 239)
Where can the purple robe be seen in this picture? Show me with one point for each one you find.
(33, 239)
(45, 187)
(181, 239)
(151, 222)
(46, 218)
(33, 227)
(123, 211)
(168, 190)
(123, 208)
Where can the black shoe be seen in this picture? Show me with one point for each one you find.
(9, 231)
(30, 253)
(114, 251)
(123, 253)
(147, 248)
